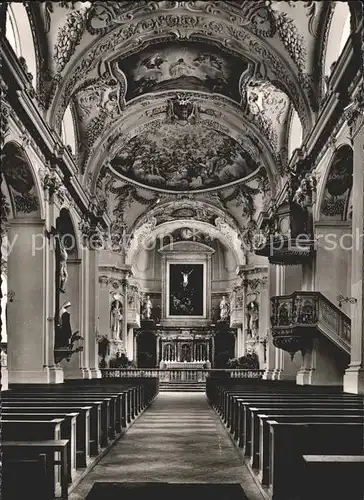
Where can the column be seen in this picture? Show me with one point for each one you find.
(4, 304)
(264, 321)
(354, 375)
(31, 312)
(130, 343)
(288, 280)
(89, 312)
(273, 289)
(72, 369)
(240, 344)
(124, 331)
(104, 306)
(157, 348)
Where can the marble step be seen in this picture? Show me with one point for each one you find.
(182, 386)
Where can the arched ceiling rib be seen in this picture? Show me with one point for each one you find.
(150, 120)
(180, 22)
(182, 100)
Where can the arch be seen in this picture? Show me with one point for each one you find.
(228, 236)
(68, 132)
(150, 112)
(333, 203)
(222, 32)
(339, 33)
(19, 34)
(66, 226)
(295, 133)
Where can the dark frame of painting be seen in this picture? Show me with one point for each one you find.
(186, 290)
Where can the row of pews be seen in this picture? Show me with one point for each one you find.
(300, 442)
(52, 435)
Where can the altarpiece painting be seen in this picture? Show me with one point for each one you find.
(186, 290)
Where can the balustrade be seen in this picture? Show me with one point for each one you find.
(179, 374)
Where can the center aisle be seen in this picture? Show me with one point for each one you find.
(179, 439)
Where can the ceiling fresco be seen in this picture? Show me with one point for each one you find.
(183, 66)
(177, 158)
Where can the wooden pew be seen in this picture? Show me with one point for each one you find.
(324, 477)
(265, 442)
(17, 451)
(68, 431)
(290, 441)
(35, 430)
(233, 413)
(91, 415)
(99, 413)
(258, 417)
(110, 406)
(284, 403)
(293, 403)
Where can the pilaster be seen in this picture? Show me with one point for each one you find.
(354, 375)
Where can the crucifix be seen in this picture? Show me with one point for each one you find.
(185, 278)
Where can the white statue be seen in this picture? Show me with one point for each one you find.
(148, 308)
(185, 278)
(253, 313)
(224, 308)
(115, 318)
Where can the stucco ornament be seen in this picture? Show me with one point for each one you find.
(69, 36)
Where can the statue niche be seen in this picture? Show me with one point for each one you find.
(116, 316)
(253, 317)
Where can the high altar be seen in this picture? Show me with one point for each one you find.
(184, 335)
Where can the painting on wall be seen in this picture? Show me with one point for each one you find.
(335, 204)
(186, 290)
(188, 158)
(19, 180)
(183, 66)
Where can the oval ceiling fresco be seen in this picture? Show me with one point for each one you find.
(178, 158)
(183, 66)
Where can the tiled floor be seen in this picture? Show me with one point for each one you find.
(178, 439)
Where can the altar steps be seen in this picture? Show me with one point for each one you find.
(180, 386)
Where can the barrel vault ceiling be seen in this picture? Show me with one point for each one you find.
(176, 102)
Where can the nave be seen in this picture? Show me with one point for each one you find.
(178, 439)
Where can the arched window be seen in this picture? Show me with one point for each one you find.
(68, 130)
(19, 35)
(294, 134)
(338, 35)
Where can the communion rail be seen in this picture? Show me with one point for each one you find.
(180, 374)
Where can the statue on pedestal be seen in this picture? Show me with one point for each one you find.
(224, 309)
(64, 336)
(115, 318)
(253, 315)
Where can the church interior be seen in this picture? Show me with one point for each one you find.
(182, 232)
